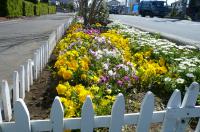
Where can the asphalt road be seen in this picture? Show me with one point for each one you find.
(20, 38)
(180, 31)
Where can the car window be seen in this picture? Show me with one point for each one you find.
(158, 4)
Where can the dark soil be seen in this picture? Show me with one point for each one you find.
(41, 95)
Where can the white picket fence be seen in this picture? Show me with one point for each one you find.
(174, 118)
(23, 78)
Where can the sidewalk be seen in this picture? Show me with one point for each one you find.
(19, 39)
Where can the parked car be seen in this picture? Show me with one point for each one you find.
(152, 8)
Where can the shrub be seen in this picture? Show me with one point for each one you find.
(52, 9)
(44, 8)
(37, 9)
(11, 8)
(28, 8)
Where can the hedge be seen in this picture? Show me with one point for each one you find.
(37, 9)
(11, 8)
(44, 9)
(52, 9)
(28, 8)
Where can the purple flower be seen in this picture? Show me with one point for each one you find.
(93, 52)
(120, 83)
(103, 79)
(126, 78)
(136, 77)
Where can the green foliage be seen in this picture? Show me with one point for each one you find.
(52, 9)
(37, 9)
(11, 8)
(44, 10)
(103, 13)
(28, 8)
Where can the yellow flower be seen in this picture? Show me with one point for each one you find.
(94, 88)
(98, 25)
(109, 91)
(83, 94)
(73, 65)
(67, 74)
(104, 102)
(83, 76)
(95, 79)
(61, 89)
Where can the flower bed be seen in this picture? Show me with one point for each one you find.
(121, 59)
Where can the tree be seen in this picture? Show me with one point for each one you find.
(96, 11)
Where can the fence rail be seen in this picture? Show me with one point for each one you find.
(24, 76)
(174, 118)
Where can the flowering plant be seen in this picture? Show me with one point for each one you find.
(121, 59)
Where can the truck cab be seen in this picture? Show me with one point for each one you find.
(152, 8)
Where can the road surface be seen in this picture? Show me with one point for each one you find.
(20, 38)
(181, 31)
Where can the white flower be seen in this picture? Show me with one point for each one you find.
(110, 73)
(191, 75)
(191, 69)
(180, 80)
(167, 79)
(106, 66)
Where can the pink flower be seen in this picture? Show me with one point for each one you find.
(120, 83)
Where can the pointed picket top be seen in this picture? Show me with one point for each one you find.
(117, 114)
(5, 94)
(146, 113)
(15, 86)
(169, 123)
(87, 116)
(22, 117)
(22, 82)
(191, 95)
(189, 100)
(57, 115)
(175, 99)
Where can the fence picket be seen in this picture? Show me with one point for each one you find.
(5, 93)
(43, 56)
(87, 116)
(30, 71)
(1, 116)
(15, 86)
(22, 118)
(35, 67)
(189, 100)
(146, 113)
(169, 123)
(46, 52)
(117, 114)
(22, 82)
(56, 115)
(27, 77)
(41, 60)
